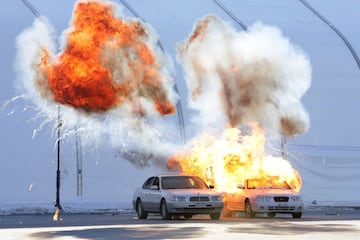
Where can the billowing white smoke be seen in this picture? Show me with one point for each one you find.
(239, 77)
(137, 138)
(29, 44)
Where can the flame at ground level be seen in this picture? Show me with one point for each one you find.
(56, 215)
(227, 161)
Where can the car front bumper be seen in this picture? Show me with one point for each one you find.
(194, 208)
(277, 207)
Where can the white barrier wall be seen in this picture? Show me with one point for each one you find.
(330, 175)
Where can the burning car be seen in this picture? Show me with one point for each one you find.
(177, 195)
(269, 196)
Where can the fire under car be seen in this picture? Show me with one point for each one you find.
(259, 196)
(177, 195)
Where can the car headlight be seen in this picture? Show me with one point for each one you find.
(216, 198)
(296, 198)
(178, 198)
(263, 198)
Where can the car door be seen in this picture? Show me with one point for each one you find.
(155, 195)
(145, 194)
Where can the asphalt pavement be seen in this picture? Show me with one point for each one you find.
(316, 224)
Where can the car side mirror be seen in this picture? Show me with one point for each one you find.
(211, 187)
(240, 186)
(154, 187)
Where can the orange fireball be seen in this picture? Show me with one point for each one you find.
(106, 62)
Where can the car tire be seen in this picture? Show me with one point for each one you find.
(271, 214)
(142, 214)
(248, 210)
(164, 211)
(296, 215)
(215, 216)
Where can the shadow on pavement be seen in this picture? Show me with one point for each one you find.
(146, 232)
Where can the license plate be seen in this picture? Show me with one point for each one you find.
(200, 204)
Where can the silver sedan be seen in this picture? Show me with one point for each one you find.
(176, 195)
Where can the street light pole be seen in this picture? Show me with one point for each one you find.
(36, 13)
(79, 188)
(57, 203)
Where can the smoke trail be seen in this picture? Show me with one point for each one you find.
(240, 77)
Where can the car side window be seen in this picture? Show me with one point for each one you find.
(156, 183)
(147, 183)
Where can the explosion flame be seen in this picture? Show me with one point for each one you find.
(107, 78)
(228, 161)
(56, 215)
(236, 78)
(107, 62)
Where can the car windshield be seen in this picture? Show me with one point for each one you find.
(271, 182)
(182, 182)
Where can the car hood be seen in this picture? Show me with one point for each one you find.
(191, 192)
(273, 191)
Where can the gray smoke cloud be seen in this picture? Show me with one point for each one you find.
(235, 78)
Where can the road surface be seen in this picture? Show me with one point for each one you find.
(331, 224)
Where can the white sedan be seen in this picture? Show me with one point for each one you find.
(176, 195)
(268, 196)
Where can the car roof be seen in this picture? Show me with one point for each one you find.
(173, 175)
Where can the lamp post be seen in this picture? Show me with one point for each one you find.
(79, 189)
(36, 13)
(59, 123)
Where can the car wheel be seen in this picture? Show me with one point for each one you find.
(215, 216)
(142, 214)
(164, 211)
(248, 211)
(296, 214)
(271, 214)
